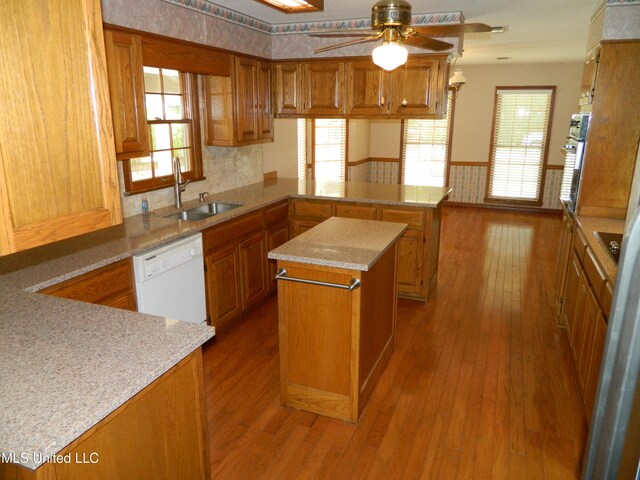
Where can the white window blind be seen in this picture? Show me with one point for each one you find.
(425, 150)
(330, 138)
(567, 175)
(520, 134)
(302, 148)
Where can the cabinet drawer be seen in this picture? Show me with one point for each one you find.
(232, 230)
(594, 274)
(276, 212)
(579, 244)
(96, 286)
(413, 217)
(301, 208)
(356, 211)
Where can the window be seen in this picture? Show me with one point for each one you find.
(519, 148)
(329, 149)
(171, 110)
(567, 175)
(425, 150)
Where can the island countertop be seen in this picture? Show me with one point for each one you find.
(342, 243)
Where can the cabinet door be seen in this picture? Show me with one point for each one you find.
(252, 265)
(325, 88)
(219, 118)
(587, 87)
(124, 301)
(366, 88)
(246, 95)
(562, 264)
(265, 113)
(571, 293)
(222, 276)
(410, 261)
(58, 174)
(276, 236)
(418, 84)
(594, 363)
(591, 316)
(126, 84)
(579, 324)
(288, 88)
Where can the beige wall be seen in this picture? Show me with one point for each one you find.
(474, 105)
(358, 144)
(385, 139)
(282, 154)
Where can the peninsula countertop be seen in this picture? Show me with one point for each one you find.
(341, 242)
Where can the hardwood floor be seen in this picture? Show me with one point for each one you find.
(481, 384)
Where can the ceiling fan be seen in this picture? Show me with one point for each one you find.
(391, 22)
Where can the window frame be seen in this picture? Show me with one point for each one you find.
(346, 147)
(513, 201)
(450, 118)
(192, 113)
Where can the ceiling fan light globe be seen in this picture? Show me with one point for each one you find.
(389, 56)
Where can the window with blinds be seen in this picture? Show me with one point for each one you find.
(302, 148)
(329, 149)
(425, 150)
(518, 152)
(567, 175)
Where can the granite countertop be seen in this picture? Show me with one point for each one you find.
(590, 225)
(65, 365)
(342, 243)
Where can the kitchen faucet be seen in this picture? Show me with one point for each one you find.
(178, 186)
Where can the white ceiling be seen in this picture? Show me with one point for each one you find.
(537, 30)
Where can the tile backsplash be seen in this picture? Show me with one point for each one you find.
(224, 168)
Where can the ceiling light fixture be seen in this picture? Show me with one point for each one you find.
(295, 6)
(391, 54)
(458, 79)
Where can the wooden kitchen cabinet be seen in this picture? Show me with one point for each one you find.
(126, 86)
(289, 87)
(276, 234)
(238, 108)
(324, 87)
(367, 88)
(562, 261)
(584, 311)
(58, 174)
(614, 132)
(112, 285)
(252, 264)
(222, 271)
(589, 74)
(422, 82)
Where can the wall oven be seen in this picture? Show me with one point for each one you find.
(574, 155)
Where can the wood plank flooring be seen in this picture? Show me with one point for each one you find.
(481, 384)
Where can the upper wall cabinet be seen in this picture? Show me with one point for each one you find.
(359, 89)
(614, 132)
(238, 108)
(58, 175)
(589, 74)
(126, 84)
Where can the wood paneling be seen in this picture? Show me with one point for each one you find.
(478, 371)
(55, 124)
(112, 285)
(126, 86)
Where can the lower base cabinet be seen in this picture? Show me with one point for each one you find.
(160, 433)
(222, 268)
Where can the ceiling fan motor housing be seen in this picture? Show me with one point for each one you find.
(390, 13)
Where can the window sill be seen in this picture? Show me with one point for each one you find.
(160, 187)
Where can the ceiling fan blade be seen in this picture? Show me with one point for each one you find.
(428, 43)
(352, 42)
(452, 30)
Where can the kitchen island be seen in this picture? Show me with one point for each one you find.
(337, 313)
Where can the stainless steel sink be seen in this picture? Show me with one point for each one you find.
(203, 211)
(214, 208)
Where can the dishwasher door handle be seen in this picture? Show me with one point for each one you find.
(282, 275)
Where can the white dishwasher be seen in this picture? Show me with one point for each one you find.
(170, 280)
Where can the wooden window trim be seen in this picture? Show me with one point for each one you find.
(520, 202)
(192, 111)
